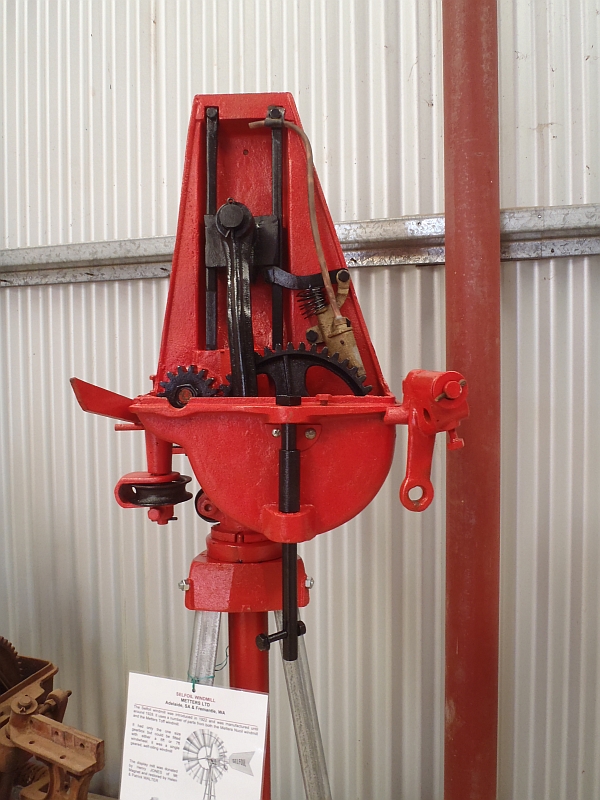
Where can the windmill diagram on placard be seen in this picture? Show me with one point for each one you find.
(205, 759)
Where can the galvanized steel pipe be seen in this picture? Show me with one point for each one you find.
(306, 722)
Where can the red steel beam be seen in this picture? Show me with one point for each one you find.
(473, 348)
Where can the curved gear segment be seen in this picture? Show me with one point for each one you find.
(187, 383)
(11, 672)
(287, 369)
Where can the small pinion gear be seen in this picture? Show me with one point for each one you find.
(287, 369)
(187, 383)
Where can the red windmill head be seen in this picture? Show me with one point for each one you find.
(264, 349)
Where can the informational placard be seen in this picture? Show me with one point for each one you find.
(206, 743)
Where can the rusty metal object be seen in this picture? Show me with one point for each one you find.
(11, 669)
(31, 714)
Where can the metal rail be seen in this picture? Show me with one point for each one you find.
(526, 234)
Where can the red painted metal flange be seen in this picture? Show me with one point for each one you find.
(238, 587)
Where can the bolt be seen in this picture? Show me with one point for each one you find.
(231, 216)
(452, 390)
(184, 585)
(212, 113)
(24, 702)
(184, 395)
(312, 336)
(276, 432)
(263, 643)
(309, 583)
(310, 433)
(275, 113)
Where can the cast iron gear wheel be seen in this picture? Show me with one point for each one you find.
(11, 669)
(287, 369)
(187, 383)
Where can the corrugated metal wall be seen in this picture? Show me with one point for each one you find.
(97, 97)
(94, 107)
(550, 125)
(549, 715)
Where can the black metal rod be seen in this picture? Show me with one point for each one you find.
(289, 471)
(289, 503)
(290, 600)
(277, 210)
(212, 128)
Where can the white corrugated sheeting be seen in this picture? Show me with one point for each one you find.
(549, 716)
(97, 97)
(95, 103)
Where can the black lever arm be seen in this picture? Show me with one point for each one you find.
(236, 225)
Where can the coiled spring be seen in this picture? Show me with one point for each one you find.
(312, 301)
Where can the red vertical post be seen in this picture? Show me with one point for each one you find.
(473, 348)
(249, 668)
